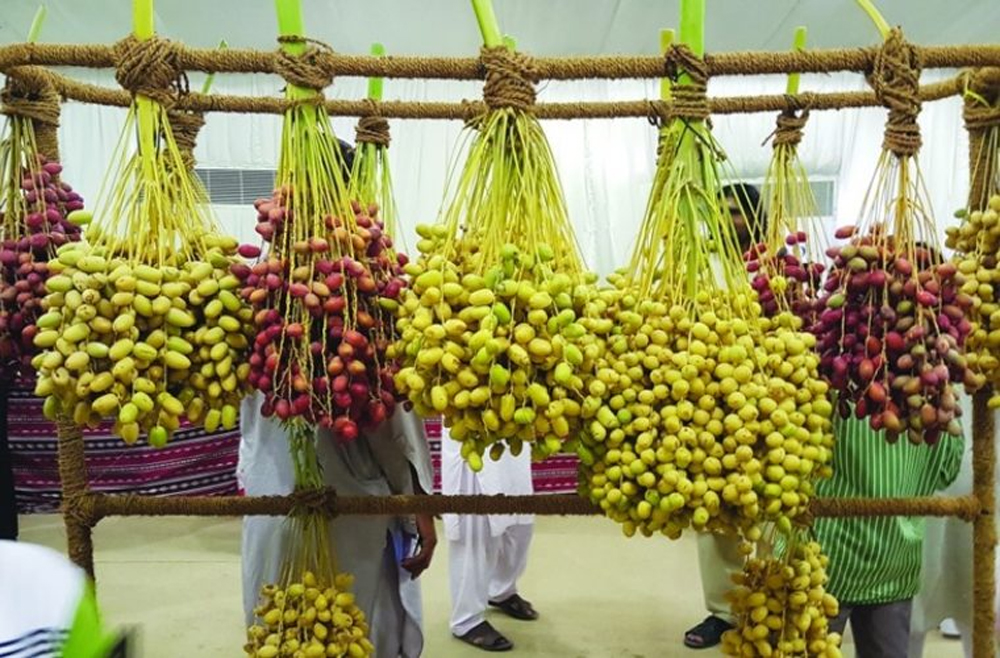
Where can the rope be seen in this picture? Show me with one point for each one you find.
(472, 113)
(151, 68)
(78, 505)
(981, 117)
(984, 538)
(310, 70)
(372, 128)
(657, 113)
(209, 60)
(788, 131)
(690, 99)
(30, 93)
(80, 509)
(185, 127)
(510, 79)
(466, 109)
(322, 501)
(984, 81)
(964, 507)
(895, 77)
(72, 462)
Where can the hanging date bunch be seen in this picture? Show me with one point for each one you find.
(143, 324)
(313, 615)
(370, 185)
(892, 330)
(786, 265)
(371, 177)
(318, 356)
(976, 242)
(309, 610)
(210, 356)
(40, 212)
(697, 417)
(319, 353)
(781, 606)
(502, 324)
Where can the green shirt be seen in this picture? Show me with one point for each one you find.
(878, 559)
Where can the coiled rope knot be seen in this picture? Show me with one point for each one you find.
(689, 100)
(185, 127)
(788, 131)
(372, 128)
(510, 79)
(81, 509)
(979, 117)
(895, 78)
(151, 68)
(30, 94)
(314, 500)
(311, 69)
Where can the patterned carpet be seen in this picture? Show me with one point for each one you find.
(194, 463)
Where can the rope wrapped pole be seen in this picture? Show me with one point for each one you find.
(76, 498)
(984, 528)
(209, 60)
(965, 507)
(640, 109)
(979, 120)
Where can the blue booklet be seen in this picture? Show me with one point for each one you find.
(402, 544)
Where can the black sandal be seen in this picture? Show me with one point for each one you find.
(485, 637)
(516, 607)
(707, 634)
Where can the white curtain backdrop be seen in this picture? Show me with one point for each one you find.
(606, 166)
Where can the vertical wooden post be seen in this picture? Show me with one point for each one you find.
(984, 529)
(73, 475)
(982, 177)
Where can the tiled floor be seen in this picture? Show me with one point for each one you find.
(178, 582)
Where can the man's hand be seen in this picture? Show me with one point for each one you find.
(427, 533)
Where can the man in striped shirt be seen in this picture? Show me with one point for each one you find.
(875, 562)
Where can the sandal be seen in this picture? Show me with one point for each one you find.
(707, 634)
(516, 607)
(485, 637)
(949, 629)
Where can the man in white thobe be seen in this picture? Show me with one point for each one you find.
(486, 554)
(392, 459)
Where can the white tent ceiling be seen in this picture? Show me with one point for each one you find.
(544, 27)
(605, 166)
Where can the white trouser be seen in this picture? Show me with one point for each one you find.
(718, 559)
(484, 568)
